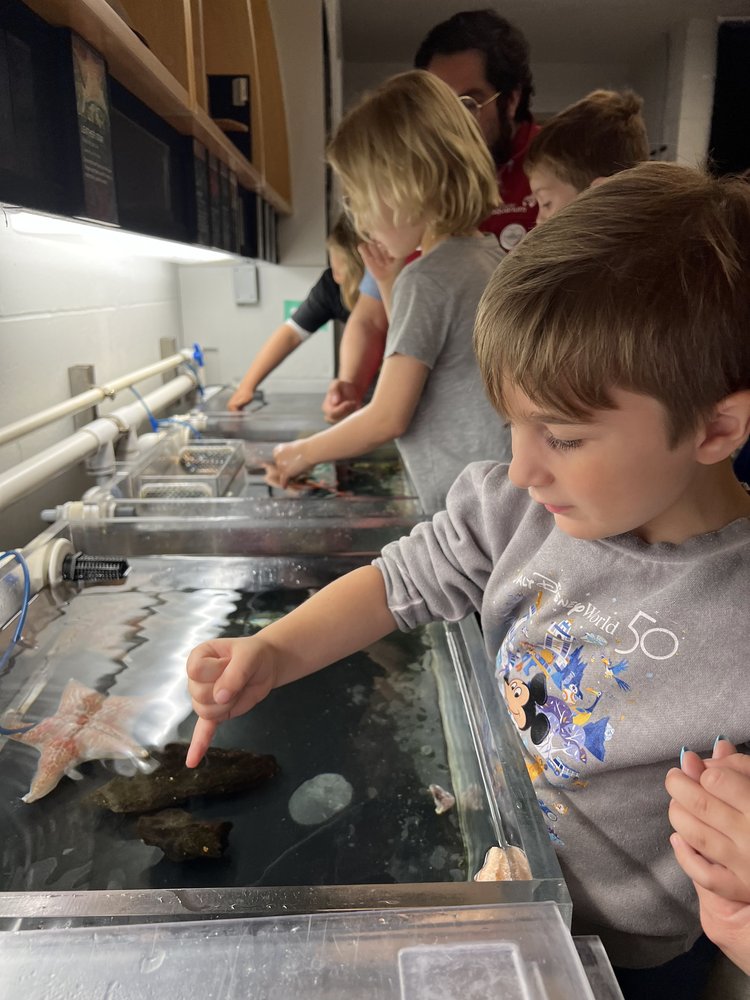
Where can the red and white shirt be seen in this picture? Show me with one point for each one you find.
(516, 215)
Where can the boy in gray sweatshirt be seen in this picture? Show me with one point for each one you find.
(610, 561)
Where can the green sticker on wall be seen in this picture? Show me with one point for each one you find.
(290, 306)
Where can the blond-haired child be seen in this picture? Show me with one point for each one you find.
(610, 562)
(594, 138)
(416, 173)
(333, 296)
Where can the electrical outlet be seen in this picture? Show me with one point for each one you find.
(246, 285)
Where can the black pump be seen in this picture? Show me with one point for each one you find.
(90, 569)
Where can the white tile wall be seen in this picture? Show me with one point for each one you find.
(62, 303)
(233, 334)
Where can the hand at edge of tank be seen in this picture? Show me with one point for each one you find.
(239, 399)
(289, 462)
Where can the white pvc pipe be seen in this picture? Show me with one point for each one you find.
(25, 477)
(90, 397)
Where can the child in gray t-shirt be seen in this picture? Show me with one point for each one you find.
(417, 173)
(610, 562)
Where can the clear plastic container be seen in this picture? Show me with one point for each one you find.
(503, 952)
(201, 468)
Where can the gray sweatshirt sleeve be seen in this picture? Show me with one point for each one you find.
(440, 571)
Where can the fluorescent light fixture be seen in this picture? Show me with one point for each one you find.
(112, 238)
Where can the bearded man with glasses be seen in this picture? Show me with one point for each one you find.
(485, 59)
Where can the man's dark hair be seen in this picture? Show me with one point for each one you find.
(505, 51)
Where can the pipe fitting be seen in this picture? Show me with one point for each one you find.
(25, 477)
(102, 463)
(45, 563)
(128, 446)
(122, 425)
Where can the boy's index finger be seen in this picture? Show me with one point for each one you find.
(203, 734)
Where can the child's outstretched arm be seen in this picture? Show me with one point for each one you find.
(385, 417)
(227, 677)
(710, 813)
(279, 345)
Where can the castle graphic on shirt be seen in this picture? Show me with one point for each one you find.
(553, 685)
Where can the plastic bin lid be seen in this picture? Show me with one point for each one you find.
(503, 952)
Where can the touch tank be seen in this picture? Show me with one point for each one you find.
(189, 493)
(209, 456)
(354, 809)
(270, 419)
(348, 822)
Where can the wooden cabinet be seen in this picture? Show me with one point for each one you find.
(272, 115)
(238, 41)
(164, 52)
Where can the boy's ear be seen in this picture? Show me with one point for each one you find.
(726, 430)
(597, 181)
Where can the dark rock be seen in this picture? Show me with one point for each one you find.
(183, 838)
(220, 773)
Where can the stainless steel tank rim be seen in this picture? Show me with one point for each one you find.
(270, 900)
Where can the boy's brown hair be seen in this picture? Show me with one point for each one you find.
(411, 144)
(597, 136)
(640, 284)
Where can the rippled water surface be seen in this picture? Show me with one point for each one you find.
(372, 719)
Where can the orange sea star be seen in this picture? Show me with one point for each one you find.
(86, 726)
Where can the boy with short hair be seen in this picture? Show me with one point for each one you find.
(610, 561)
(594, 138)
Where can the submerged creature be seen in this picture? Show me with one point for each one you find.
(182, 837)
(221, 772)
(504, 865)
(320, 798)
(86, 726)
(443, 800)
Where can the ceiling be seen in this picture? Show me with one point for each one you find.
(581, 31)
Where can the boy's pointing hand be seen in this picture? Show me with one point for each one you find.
(226, 678)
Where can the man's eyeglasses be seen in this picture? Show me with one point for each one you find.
(473, 106)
